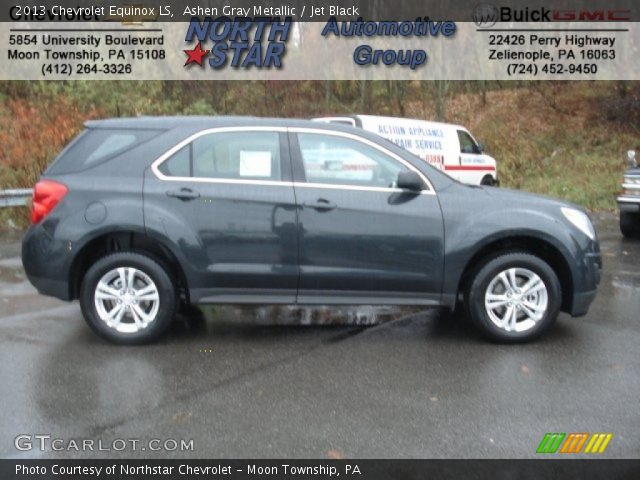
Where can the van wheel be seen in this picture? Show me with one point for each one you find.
(629, 224)
(487, 181)
(514, 298)
(128, 298)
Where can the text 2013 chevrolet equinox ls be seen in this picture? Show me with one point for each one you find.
(137, 217)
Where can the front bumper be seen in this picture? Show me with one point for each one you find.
(591, 274)
(629, 204)
(582, 302)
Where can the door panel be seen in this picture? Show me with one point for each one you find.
(238, 236)
(360, 241)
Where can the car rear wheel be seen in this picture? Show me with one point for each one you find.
(514, 297)
(630, 224)
(488, 181)
(128, 298)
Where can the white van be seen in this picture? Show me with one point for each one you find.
(450, 148)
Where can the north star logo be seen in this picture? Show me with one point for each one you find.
(196, 55)
(239, 43)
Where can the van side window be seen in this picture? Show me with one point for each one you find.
(228, 155)
(467, 144)
(342, 161)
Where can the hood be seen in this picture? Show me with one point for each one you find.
(518, 198)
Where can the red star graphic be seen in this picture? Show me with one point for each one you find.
(196, 55)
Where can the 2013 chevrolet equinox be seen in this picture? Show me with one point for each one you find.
(137, 217)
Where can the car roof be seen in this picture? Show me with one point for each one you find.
(168, 122)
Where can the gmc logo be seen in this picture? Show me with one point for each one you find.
(592, 15)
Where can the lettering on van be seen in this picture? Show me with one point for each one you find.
(417, 140)
(414, 131)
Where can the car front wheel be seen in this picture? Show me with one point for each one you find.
(128, 298)
(514, 297)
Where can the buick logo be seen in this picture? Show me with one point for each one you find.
(485, 15)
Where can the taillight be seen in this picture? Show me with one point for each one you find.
(46, 195)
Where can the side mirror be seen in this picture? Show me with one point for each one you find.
(631, 158)
(410, 181)
(481, 147)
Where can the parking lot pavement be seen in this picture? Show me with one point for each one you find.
(422, 385)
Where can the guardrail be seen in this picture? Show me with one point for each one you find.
(15, 198)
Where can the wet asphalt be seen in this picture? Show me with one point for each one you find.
(415, 385)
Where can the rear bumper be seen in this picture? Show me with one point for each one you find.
(52, 288)
(45, 262)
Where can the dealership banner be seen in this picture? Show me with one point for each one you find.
(221, 40)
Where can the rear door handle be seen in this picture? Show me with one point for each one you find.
(184, 194)
(320, 204)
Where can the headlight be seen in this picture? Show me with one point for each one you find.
(580, 220)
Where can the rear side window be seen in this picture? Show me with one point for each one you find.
(94, 146)
(234, 155)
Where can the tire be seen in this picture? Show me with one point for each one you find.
(492, 285)
(139, 315)
(487, 181)
(630, 224)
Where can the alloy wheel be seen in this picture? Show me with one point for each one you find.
(516, 299)
(127, 299)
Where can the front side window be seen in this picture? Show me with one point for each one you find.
(342, 161)
(467, 144)
(228, 155)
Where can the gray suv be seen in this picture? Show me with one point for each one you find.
(139, 217)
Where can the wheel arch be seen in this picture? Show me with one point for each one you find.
(126, 239)
(543, 248)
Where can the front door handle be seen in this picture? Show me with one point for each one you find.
(184, 194)
(321, 204)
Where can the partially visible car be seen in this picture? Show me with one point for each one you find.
(629, 200)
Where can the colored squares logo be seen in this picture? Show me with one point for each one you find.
(574, 443)
(598, 443)
(550, 443)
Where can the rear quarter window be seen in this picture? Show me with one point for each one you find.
(94, 146)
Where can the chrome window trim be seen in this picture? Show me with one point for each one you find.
(169, 153)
